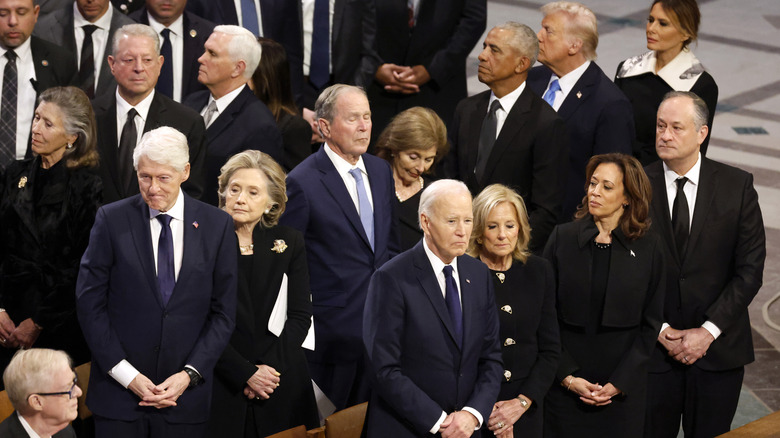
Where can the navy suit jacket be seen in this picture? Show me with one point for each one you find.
(419, 368)
(338, 253)
(123, 317)
(196, 31)
(245, 124)
(58, 29)
(599, 119)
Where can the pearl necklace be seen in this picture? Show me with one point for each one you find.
(400, 199)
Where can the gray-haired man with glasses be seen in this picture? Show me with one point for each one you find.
(42, 388)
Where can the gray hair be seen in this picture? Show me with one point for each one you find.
(30, 371)
(277, 187)
(164, 145)
(243, 46)
(135, 30)
(581, 24)
(325, 107)
(700, 111)
(436, 190)
(524, 39)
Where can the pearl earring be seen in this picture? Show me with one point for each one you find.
(69, 146)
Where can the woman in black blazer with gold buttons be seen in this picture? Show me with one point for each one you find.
(610, 279)
(525, 296)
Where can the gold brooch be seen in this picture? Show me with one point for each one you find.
(22, 182)
(507, 375)
(193, 33)
(279, 246)
(501, 277)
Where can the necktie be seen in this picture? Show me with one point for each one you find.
(210, 112)
(410, 6)
(680, 217)
(549, 96)
(320, 45)
(366, 213)
(87, 62)
(487, 137)
(126, 146)
(165, 81)
(8, 111)
(452, 298)
(166, 278)
(249, 16)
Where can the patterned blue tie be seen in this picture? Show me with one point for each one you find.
(452, 298)
(249, 16)
(366, 213)
(549, 96)
(166, 276)
(165, 82)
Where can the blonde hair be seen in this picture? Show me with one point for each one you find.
(415, 128)
(581, 24)
(277, 188)
(30, 371)
(484, 203)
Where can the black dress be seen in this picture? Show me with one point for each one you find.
(296, 139)
(45, 219)
(408, 218)
(525, 297)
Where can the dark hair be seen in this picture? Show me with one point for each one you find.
(414, 128)
(635, 219)
(685, 16)
(271, 79)
(77, 119)
(701, 113)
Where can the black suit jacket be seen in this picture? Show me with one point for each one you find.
(58, 29)
(245, 124)
(529, 155)
(598, 119)
(722, 267)
(11, 427)
(162, 112)
(196, 31)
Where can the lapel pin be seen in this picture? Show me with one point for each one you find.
(468, 281)
(45, 63)
(632, 253)
(22, 182)
(579, 94)
(195, 224)
(279, 246)
(193, 33)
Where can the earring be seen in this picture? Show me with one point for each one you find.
(69, 146)
(625, 205)
(267, 210)
(479, 241)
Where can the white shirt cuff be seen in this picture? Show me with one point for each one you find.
(712, 328)
(435, 429)
(124, 373)
(664, 326)
(476, 414)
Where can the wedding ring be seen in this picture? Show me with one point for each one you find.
(500, 424)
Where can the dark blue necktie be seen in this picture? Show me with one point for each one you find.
(452, 298)
(166, 276)
(249, 16)
(320, 45)
(165, 82)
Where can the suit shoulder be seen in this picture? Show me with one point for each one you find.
(41, 47)
(199, 23)
(728, 171)
(180, 110)
(197, 100)
(470, 264)
(119, 19)
(304, 169)
(607, 90)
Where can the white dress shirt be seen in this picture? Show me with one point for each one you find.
(507, 102)
(222, 103)
(566, 83)
(25, 97)
(99, 37)
(258, 11)
(177, 49)
(122, 107)
(26, 426)
(308, 29)
(343, 167)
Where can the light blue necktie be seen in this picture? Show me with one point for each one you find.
(549, 96)
(249, 16)
(366, 213)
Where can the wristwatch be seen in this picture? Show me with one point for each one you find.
(523, 402)
(195, 378)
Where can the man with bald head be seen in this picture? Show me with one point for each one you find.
(430, 328)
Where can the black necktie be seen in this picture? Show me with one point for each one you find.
(680, 217)
(487, 136)
(8, 111)
(165, 81)
(166, 277)
(452, 298)
(126, 146)
(87, 63)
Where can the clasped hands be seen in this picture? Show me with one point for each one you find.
(262, 383)
(458, 424)
(24, 335)
(505, 414)
(401, 78)
(159, 396)
(591, 393)
(686, 346)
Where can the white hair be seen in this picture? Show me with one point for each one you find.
(243, 46)
(30, 371)
(436, 190)
(163, 145)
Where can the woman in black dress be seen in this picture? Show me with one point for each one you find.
(262, 383)
(525, 296)
(48, 204)
(669, 65)
(610, 278)
(412, 143)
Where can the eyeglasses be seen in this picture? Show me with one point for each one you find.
(71, 393)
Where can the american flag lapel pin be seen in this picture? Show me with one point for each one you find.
(579, 95)
(195, 224)
(632, 253)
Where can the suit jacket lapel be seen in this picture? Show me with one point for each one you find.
(580, 93)
(338, 16)
(105, 81)
(68, 32)
(513, 125)
(705, 195)
(109, 147)
(225, 118)
(191, 51)
(427, 279)
(660, 203)
(138, 223)
(193, 244)
(23, 203)
(378, 193)
(475, 117)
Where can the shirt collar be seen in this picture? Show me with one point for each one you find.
(224, 101)
(681, 73)
(26, 426)
(176, 212)
(570, 79)
(176, 28)
(436, 263)
(103, 22)
(122, 106)
(23, 52)
(508, 101)
(343, 166)
(670, 176)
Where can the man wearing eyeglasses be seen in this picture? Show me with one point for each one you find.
(42, 388)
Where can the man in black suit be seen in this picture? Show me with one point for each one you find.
(41, 386)
(714, 271)
(236, 120)
(136, 79)
(35, 64)
(520, 142)
(598, 116)
(188, 33)
(69, 27)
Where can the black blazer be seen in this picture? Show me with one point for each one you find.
(633, 301)
(598, 119)
(245, 124)
(529, 155)
(722, 267)
(58, 29)
(11, 427)
(162, 112)
(196, 31)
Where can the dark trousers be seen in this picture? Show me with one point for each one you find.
(706, 401)
(148, 426)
